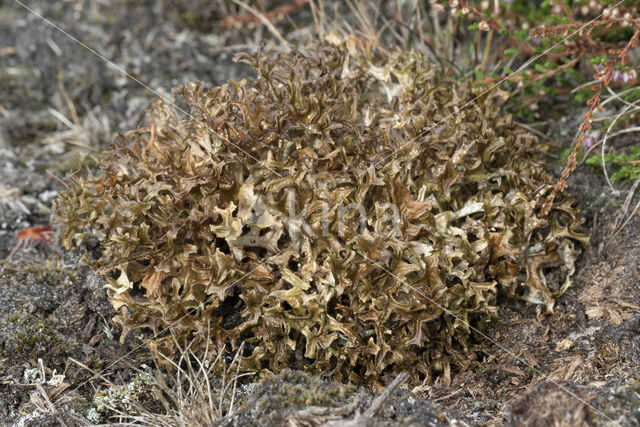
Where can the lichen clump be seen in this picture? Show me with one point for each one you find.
(341, 213)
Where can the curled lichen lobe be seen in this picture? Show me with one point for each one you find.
(341, 212)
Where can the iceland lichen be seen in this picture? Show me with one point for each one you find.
(341, 213)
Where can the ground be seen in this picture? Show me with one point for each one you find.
(60, 104)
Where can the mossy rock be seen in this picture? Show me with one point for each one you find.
(277, 395)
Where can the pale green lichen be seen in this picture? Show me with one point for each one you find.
(39, 376)
(125, 397)
(94, 416)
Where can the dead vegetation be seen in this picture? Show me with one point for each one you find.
(261, 213)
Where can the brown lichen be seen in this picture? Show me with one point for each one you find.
(282, 233)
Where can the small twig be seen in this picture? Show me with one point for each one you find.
(318, 22)
(487, 49)
(242, 46)
(367, 28)
(607, 118)
(634, 213)
(532, 130)
(455, 393)
(584, 86)
(627, 202)
(382, 397)
(605, 102)
(616, 96)
(604, 143)
(276, 13)
(265, 21)
(93, 372)
(614, 134)
(45, 396)
(67, 99)
(235, 380)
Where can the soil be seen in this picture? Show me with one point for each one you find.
(60, 104)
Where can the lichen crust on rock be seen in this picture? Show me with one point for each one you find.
(348, 211)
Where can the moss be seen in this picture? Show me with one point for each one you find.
(295, 389)
(49, 272)
(342, 213)
(32, 336)
(273, 398)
